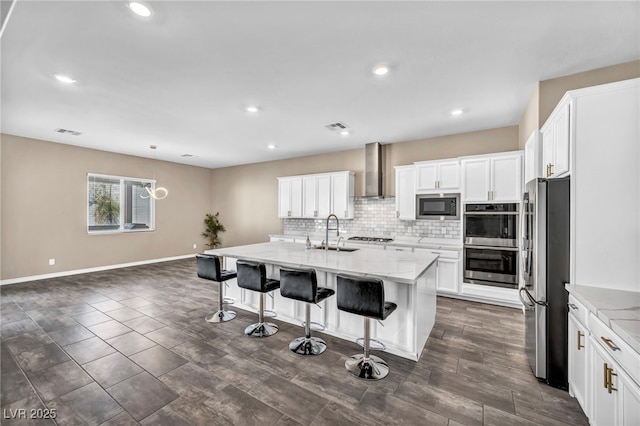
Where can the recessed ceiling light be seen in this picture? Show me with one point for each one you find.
(344, 132)
(456, 111)
(272, 146)
(381, 69)
(140, 9)
(252, 108)
(65, 79)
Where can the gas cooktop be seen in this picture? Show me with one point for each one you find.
(372, 239)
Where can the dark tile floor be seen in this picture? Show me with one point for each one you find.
(130, 346)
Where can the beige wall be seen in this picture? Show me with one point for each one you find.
(43, 211)
(529, 120)
(548, 93)
(246, 196)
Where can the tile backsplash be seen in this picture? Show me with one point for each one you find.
(377, 217)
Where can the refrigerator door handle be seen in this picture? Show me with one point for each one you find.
(531, 299)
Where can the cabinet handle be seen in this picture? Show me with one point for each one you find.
(397, 213)
(289, 213)
(580, 336)
(551, 169)
(573, 306)
(315, 213)
(345, 213)
(489, 195)
(608, 374)
(610, 343)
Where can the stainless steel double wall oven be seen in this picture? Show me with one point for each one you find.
(491, 254)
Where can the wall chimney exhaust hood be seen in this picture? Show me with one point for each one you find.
(373, 170)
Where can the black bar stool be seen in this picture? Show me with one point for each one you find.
(253, 276)
(301, 284)
(209, 268)
(364, 296)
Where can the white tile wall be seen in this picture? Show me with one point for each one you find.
(377, 217)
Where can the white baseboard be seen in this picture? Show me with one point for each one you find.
(87, 270)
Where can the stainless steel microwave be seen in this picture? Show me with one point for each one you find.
(438, 206)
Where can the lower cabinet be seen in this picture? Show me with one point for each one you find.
(615, 397)
(447, 271)
(601, 366)
(578, 349)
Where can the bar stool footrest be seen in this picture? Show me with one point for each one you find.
(315, 326)
(268, 313)
(374, 344)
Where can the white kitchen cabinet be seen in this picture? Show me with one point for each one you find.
(492, 178)
(556, 141)
(342, 193)
(447, 270)
(615, 398)
(578, 367)
(532, 157)
(316, 196)
(290, 197)
(438, 176)
(406, 192)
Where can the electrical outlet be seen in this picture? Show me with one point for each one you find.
(52, 262)
(195, 245)
(443, 230)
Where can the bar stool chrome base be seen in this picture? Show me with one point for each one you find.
(221, 316)
(374, 368)
(261, 329)
(308, 346)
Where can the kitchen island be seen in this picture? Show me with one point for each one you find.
(409, 281)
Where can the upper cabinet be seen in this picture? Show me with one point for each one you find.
(342, 193)
(438, 176)
(290, 196)
(556, 138)
(316, 196)
(495, 177)
(406, 192)
(532, 151)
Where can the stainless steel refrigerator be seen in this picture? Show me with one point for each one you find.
(545, 252)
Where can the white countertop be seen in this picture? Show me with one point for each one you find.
(404, 267)
(619, 309)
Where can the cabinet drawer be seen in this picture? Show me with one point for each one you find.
(446, 254)
(578, 310)
(628, 359)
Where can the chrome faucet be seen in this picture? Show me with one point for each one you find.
(327, 229)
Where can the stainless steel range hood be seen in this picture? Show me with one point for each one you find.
(373, 170)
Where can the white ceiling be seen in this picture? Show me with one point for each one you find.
(182, 78)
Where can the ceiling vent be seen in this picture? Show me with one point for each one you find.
(68, 132)
(336, 127)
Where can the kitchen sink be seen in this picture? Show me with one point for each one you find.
(345, 249)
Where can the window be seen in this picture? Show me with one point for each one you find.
(119, 204)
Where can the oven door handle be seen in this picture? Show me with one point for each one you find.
(496, 248)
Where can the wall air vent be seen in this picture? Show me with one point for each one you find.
(336, 127)
(187, 155)
(68, 132)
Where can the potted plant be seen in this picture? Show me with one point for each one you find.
(212, 227)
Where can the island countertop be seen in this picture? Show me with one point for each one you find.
(404, 267)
